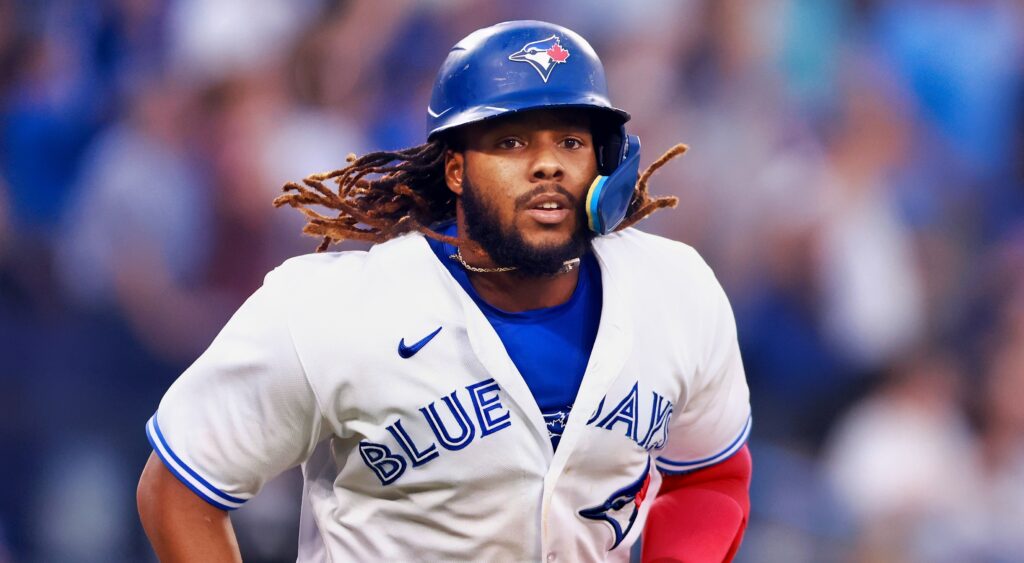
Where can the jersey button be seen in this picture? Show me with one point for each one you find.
(552, 556)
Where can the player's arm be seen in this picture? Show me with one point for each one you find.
(700, 516)
(241, 414)
(701, 510)
(180, 525)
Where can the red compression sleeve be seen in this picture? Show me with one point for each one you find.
(700, 516)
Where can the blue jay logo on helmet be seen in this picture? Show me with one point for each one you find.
(543, 55)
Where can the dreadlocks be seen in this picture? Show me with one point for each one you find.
(642, 204)
(409, 193)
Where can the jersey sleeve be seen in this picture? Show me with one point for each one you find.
(715, 420)
(244, 411)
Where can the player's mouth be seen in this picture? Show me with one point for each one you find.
(549, 208)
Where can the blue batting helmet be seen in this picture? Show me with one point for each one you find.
(516, 66)
(524, 65)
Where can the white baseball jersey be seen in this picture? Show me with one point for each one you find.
(417, 448)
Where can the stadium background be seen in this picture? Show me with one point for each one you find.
(856, 180)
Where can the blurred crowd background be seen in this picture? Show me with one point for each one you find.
(856, 179)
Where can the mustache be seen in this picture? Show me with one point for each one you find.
(522, 200)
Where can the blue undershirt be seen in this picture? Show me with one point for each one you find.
(550, 346)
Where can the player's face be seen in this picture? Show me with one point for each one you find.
(522, 184)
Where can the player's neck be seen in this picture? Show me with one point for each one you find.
(513, 292)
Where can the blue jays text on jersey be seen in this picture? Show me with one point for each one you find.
(456, 429)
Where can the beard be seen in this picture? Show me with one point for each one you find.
(508, 248)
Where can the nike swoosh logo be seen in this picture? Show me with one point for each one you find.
(435, 115)
(410, 351)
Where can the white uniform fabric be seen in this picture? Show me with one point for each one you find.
(444, 455)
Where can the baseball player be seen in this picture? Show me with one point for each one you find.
(511, 373)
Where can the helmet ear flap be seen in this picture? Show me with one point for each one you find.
(609, 144)
(609, 196)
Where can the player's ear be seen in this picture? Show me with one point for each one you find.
(454, 168)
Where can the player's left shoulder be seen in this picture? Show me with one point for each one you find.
(654, 259)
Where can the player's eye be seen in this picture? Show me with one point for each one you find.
(572, 143)
(510, 143)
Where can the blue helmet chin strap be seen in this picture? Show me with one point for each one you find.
(609, 196)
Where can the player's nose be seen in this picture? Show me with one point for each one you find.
(546, 165)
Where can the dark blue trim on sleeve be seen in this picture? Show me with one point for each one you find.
(192, 480)
(671, 467)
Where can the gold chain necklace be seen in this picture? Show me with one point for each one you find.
(567, 266)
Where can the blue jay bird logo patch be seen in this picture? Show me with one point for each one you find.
(543, 55)
(620, 509)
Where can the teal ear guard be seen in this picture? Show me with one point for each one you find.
(619, 168)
